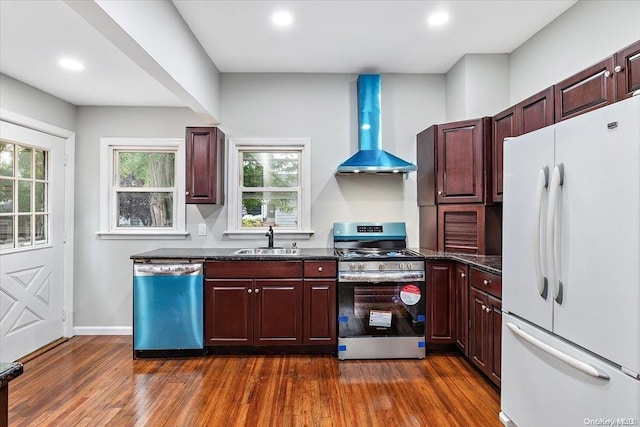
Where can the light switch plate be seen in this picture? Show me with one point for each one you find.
(202, 229)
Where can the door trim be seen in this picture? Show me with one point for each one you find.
(69, 174)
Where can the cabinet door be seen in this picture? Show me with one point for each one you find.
(479, 325)
(586, 91)
(495, 339)
(462, 307)
(627, 71)
(535, 112)
(228, 312)
(426, 159)
(504, 126)
(472, 229)
(440, 303)
(319, 312)
(278, 312)
(462, 159)
(204, 165)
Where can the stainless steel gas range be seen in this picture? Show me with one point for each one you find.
(381, 292)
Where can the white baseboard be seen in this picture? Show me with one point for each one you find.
(103, 330)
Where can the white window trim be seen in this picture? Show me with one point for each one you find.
(107, 146)
(234, 231)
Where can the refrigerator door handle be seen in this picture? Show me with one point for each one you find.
(557, 179)
(563, 357)
(542, 184)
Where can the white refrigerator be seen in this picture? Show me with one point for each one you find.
(571, 272)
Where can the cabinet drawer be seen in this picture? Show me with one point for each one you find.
(253, 269)
(487, 282)
(320, 269)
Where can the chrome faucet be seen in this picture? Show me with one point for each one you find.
(269, 234)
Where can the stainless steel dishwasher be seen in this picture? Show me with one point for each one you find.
(168, 308)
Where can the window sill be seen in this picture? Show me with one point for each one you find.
(142, 235)
(279, 234)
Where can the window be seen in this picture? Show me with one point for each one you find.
(24, 196)
(269, 186)
(142, 183)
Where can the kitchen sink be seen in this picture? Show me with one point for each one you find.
(267, 251)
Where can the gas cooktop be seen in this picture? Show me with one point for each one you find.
(377, 253)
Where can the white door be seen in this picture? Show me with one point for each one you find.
(599, 233)
(31, 240)
(528, 161)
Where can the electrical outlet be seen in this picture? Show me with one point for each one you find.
(202, 229)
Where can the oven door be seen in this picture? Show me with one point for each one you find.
(382, 309)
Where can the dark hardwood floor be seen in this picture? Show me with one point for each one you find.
(93, 381)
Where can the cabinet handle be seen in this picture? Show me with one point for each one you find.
(320, 268)
(618, 68)
(257, 290)
(249, 290)
(607, 73)
(486, 282)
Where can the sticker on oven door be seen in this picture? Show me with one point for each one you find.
(410, 294)
(380, 318)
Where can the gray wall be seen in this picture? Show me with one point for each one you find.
(586, 33)
(20, 98)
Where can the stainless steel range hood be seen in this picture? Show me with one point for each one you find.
(371, 158)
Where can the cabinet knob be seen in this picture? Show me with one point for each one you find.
(320, 268)
(249, 290)
(484, 307)
(607, 73)
(186, 193)
(486, 282)
(257, 290)
(463, 275)
(439, 192)
(488, 309)
(618, 68)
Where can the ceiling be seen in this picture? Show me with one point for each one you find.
(325, 37)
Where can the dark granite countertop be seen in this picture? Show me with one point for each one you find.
(489, 263)
(9, 371)
(226, 254)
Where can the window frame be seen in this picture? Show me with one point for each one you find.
(234, 206)
(108, 188)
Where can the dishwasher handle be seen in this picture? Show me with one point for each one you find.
(191, 269)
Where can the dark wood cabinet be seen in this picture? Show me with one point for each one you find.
(426, 159)
(462, 161)
(531, 114)
(627, 71)
(461, 286)
(440, 301)
(253, 303)
(473, 229)
(204, 152)
(585, 91)
(320, 303)
(485, 322)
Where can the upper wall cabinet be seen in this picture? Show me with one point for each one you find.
(204, 165)
(613, 79)
(627, 70)
(528, 115)
(462, 158)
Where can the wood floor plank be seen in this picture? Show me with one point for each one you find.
(93, 381)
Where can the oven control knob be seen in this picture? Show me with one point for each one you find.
(409, 266)
(352, 266)
(361, 266)
(381, 267)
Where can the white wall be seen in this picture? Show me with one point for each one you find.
(586, 33)
(477, 86)
(20, 98)
(323, 107)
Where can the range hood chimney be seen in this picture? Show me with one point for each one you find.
(371, 158)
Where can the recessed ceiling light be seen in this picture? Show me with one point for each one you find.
(437, 19)
(282, 19)
(71, 64)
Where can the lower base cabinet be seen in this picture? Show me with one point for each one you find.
(270, 303)
(485, 315)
